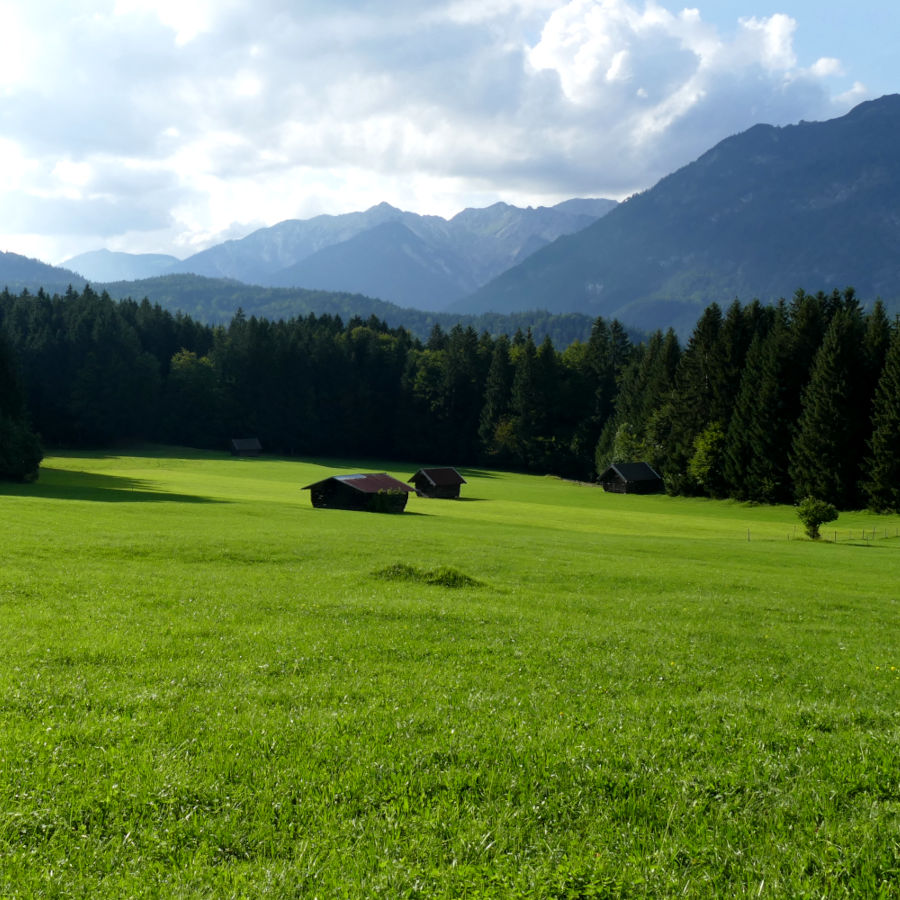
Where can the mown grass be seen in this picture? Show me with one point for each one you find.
(208, 688)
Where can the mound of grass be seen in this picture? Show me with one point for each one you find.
(442, 576)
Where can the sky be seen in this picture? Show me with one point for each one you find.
(167, 126)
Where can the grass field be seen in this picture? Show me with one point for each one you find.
(210, 689)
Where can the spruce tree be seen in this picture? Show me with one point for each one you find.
(877, 339)
(771, 426)
(20, 451)
(759, 433)
(697, 398)
(738, 449)
(644, 385)
(824, 459)
(882, 464)
(524, 401)
(497, 395)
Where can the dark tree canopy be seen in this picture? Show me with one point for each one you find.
(20, 450)
(765, 403)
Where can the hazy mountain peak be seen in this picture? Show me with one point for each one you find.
(108, 265)
(410, 259)
(383, 207)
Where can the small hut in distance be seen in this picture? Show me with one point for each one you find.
(631, 478)
(441, 483)
(372, 491)
(245, 447)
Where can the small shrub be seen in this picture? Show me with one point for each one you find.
(813, 513)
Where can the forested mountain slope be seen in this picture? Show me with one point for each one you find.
(761, 214)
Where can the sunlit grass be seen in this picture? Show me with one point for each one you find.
(209, 688)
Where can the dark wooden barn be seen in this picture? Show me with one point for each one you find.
(631, 478)
(442, 483)
(372, 491)
(245, 447)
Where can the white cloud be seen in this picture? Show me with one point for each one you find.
(667, 85)
(850, 98)
(193, 115)
(769, 41)
(186, 18)
(15, 167)
(826, 66)
(18, 47)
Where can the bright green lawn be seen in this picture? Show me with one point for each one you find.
(205, 691)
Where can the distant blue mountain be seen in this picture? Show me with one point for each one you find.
(424, 262)
(106, 265)
(401, 257)
(388, 260)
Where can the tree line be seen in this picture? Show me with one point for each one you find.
(763, 403)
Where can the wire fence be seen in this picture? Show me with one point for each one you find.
(858, 536)
(848, 535)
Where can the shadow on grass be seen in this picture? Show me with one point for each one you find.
(168, 451)
(65, 484)
(371, 512)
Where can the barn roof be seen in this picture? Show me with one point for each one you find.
(366, 483)
(445, 476)
(632, 471)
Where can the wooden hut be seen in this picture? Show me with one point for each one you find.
(372, 491)
(245, 447)
(442, 483)
(631, 478)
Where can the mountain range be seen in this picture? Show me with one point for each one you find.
(424, 262)
(814, 205)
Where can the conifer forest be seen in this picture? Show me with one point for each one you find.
(762, 403)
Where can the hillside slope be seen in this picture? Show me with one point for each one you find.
(24, 273)
(761, 214)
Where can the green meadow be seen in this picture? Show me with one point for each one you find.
(210, 689)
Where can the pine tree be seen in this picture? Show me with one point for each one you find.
(525, 401)
(882, 484)
(497, 391)
(738, 449)
(759, 434)
(697, 396)
(20, 451)
(771, 426)
(877, 339)
(824, 460)
(644, 385)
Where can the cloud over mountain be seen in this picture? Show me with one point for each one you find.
(163, 126)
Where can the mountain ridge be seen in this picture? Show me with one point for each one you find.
(759, 215)
(452, 258)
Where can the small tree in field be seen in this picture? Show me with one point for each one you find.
(813, 513)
